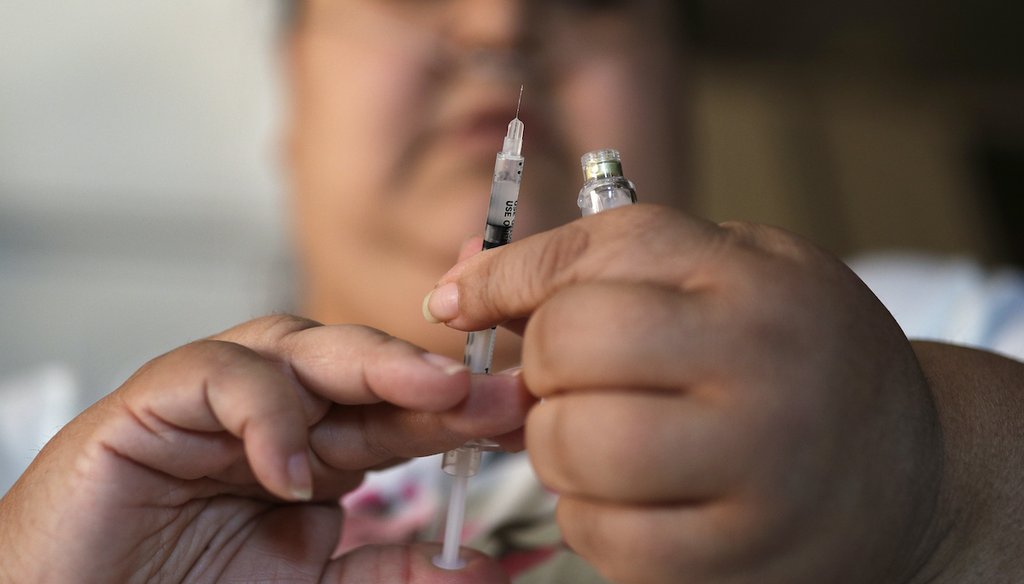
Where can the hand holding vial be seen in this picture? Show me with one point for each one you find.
(692, 417)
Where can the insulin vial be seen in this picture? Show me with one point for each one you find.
(605, 187)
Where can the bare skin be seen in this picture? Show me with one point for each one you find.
(784, 428)
(763, 419)
(224, 459)
(980, 397)
(398, 107)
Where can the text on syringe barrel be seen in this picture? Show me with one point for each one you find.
(501, 212)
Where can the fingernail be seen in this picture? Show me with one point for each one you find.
(446, 364)
(442, 303)
(426, 311)
(300, 477)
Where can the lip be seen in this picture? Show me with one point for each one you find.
(481, 132)
(482, 128)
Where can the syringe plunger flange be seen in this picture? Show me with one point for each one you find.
(463, 461)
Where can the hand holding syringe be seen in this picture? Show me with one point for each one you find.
(605, 188)
(463, 462)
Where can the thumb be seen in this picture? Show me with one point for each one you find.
(470, 247)
(411, 564)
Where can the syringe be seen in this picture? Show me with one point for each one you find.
(464, 462)
(501, 217)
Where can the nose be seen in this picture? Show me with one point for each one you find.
(490, 25)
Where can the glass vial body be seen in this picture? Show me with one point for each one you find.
(605, 187)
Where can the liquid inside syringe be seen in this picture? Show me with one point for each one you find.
(463, 462)
(508, 173)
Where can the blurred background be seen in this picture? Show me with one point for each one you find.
(865, 125)
(139, 192)
(140, 196)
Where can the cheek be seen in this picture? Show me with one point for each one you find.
(604, 107)
(628, 102)
(355, 111)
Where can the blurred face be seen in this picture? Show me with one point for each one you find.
(398, 109)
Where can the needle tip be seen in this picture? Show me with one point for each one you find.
(520, 103)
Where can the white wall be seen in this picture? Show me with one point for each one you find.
(139, 204)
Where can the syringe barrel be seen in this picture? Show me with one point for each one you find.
(479, 351)
(501, 212)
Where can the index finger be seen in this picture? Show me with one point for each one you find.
(352, 365)
(639, 243)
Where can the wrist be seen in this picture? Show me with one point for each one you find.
(973, 535)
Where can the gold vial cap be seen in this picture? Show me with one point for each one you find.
(601, 164)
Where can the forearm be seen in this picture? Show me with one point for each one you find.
(6, 575)
(40, 516)
(976, 533)
(13, 538)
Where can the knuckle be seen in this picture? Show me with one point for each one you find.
(621, 542)
(277, 327)
(648, 242)
(739, 229)
(210, 360)
(765, 240)
(380, 349)
(567, 245)
(266, 329)
(647, 222)
(544, 340)
(579, 333)
(374, 439)
(581, 527)
(216, 359)
(644, 218)
(550, 446)
(636, 551)
(552, 266)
